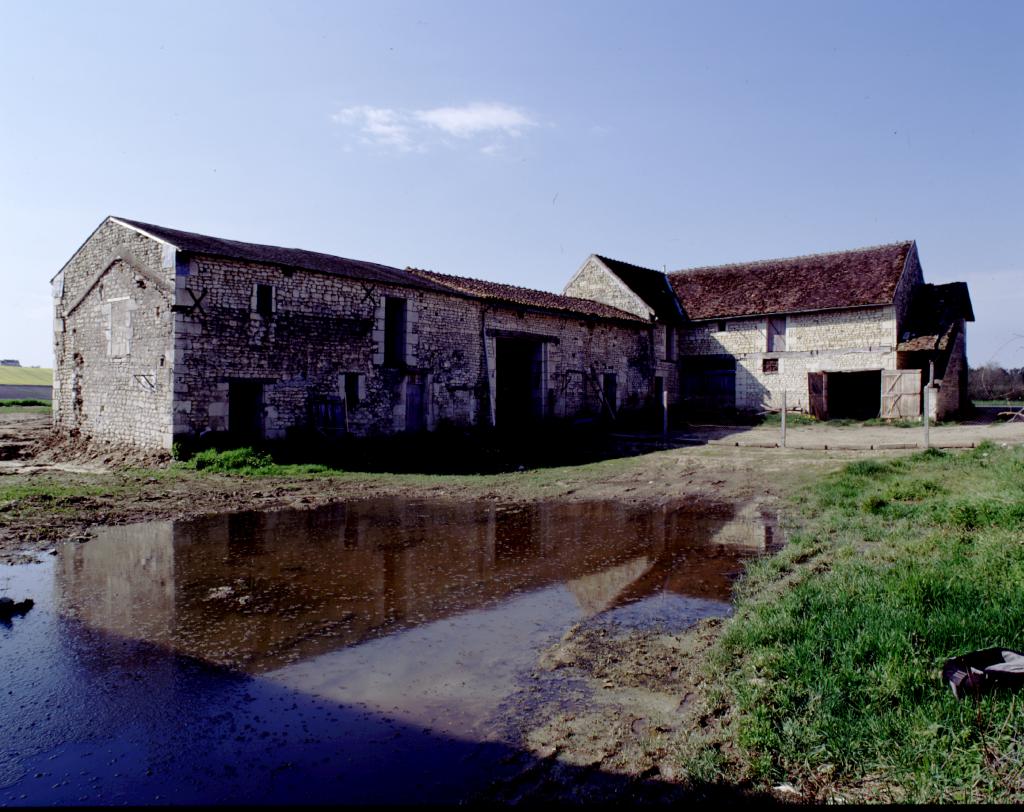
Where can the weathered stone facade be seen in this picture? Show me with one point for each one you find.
(161, 336)
(153, 343)
(113, 344)
(828, 341)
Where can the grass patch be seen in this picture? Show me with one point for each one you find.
(834, 674)
(249, 462)
(25, 405)
(792, 419)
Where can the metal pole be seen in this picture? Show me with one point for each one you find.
(783, 418)
(664, 412)
(927, 408)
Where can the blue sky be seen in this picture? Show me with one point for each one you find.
(510, 140)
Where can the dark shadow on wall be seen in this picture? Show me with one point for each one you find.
(454, 450)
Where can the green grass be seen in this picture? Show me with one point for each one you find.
(249, 462)
(25, 405)
(792, 419)
(48, 492)
(835, 650)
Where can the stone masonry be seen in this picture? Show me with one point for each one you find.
(163, 336)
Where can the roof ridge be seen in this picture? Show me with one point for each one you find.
(142, 226)
(430, 272)
(604, 257)
(773, 260)
(577, 304)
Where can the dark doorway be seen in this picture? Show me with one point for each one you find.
(853, 395)
(709, 383)
(520, 395)
(245, 411)
(416, 402)
(610, 389)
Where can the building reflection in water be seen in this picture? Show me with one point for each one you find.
(256, 591)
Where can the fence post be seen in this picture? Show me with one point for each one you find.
(783, 418)
(927, 408)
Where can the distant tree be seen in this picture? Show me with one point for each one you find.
(992, 382)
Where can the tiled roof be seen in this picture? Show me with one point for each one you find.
(286, 257)
(855, 278)
(650, 285)
(512, 294)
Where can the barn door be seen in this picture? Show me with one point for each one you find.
(901, 393)
(817, 395)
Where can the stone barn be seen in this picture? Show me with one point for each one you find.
(854, 333)
(163, 335)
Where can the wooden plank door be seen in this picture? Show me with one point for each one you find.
(901, 393)
(817, 399)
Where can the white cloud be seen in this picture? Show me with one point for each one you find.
(476, 119)
(416, 130)
(377, 124)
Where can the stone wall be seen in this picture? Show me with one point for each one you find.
(112, 339)
(833, 341)
(325, 327)
(950, 395)
(595, 282)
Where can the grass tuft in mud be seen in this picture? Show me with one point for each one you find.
(835, 652)
(247, 461)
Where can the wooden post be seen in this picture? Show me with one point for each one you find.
(783, 418)
(926, 409)
(664, 412)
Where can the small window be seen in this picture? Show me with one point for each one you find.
(721, 326)
(265, 300)
(394, 332)
(670, 343)
(770, 366)
(352, 389)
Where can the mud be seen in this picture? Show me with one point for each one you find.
(606, 706)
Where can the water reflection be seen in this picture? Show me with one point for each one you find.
(255, 591)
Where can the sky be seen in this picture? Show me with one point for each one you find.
(508, 141)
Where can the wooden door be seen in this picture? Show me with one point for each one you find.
(901, 393)
(817, 393)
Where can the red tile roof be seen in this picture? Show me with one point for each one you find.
(856, 278)
(528, 297)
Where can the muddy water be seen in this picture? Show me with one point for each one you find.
(363, 652)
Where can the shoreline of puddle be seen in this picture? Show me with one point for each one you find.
(416, 626)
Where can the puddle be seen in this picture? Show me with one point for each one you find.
(318, 654)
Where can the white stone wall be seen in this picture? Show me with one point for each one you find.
(834, 341)
(112, 339)
(595, 282)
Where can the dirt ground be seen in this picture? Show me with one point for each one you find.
(644, 701)
(51, 493)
